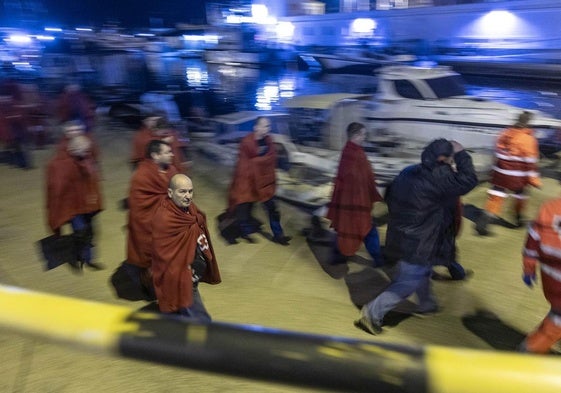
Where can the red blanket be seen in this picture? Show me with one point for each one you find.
(72, 188)
(353, 195)
(148, 189)
(176, 234)
(254, 176)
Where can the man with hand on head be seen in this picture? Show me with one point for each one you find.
(74, 195)
(421, 201)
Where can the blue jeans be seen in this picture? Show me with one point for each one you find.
(243, 214)
(83, 231)
(411, 278)
(372, 244)
(197, 311)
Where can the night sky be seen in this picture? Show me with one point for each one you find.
(129, 13)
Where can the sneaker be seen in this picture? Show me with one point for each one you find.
(283, 240)
(364, 323)
(428, 312)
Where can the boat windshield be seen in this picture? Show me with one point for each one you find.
(406, 89)
(448, 86)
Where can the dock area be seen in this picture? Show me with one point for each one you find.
(264, 284)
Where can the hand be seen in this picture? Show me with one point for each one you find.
(529, 279)
(457, 146)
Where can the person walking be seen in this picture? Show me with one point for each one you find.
(182, 253)
(254, 180)
(156, 127)
(543, 249)
(149, 186)
(354, 194)
(517, 155)
(74, 196)
(421, 202)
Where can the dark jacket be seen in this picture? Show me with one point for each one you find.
(421, 202)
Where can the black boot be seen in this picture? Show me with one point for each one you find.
(482, 223)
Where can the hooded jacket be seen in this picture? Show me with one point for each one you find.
(422, 200)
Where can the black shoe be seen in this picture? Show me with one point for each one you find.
(363, 323)
(481, 224)
(76, 266)
(284, 240)
(249, 239)
(232, 241)
(94, 266)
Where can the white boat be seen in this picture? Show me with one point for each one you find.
(351, 61)
(425, 103)
(229, 57)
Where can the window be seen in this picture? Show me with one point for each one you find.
(406, 89)
(448, 86)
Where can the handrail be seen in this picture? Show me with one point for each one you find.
(328, 362)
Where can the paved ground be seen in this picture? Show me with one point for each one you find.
(265, 284)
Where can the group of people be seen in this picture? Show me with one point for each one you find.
(169, 249)
(424, 219)
(24, 115)
(422, 203)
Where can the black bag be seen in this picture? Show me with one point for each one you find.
(131, 282)
(230, 229)
(228, 226)
(58, 249)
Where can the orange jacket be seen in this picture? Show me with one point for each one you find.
(543, 245)
(517, 156)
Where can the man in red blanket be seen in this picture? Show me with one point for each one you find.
(73, 128)
(149, 186)
(73, 195)
(354, 194)
(254, 180)
(182, 253)
(154, 127)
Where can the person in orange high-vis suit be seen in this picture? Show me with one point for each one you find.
(517, 155)
(543, 245)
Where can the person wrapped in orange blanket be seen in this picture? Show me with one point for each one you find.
(182, 253)
(74, 195)
(353, 197)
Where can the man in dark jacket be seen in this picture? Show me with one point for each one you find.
(421, 202)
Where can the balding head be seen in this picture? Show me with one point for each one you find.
(262, 127)
(79, 146)
(180, 190)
